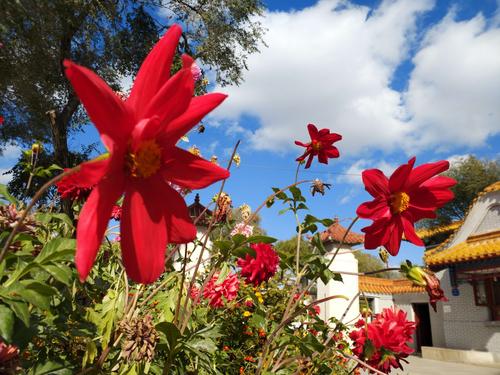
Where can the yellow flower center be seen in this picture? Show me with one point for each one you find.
(400, 202)
(146, 161)
(316, 145)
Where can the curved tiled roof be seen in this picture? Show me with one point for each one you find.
(336, 232)
(426, 233)
(474, 248)
(368, 284)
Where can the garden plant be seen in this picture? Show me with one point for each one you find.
(128, 285)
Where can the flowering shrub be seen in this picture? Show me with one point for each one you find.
(155, 296)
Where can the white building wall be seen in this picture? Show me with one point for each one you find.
(344, 261)
(193, 253)
(467, 326)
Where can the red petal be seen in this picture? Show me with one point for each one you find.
(91, 172)
(198, 108)
(309, 160)
(376, 183)
(172, 99)
(332, 137)
(106, 110)
(439, 182)
(322, 157)
(376, 233)
(374, 209)
(419, 213)
(190, 171)
(395, 230)
(187, 61)
(93, 222)
(398, 179)
(145, 129)
(143, 231)
(409, 232)
(299, 143)
(425, 171)
(180, 227)
(155, 70)
(313, 131)
(332, 152)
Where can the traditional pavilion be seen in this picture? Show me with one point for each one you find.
(468, 265)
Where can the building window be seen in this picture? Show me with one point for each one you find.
(480, 295)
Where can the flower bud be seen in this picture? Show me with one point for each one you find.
(36, 148)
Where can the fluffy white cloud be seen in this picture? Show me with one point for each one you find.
(330, 64)
(353, 173)
(454, 90)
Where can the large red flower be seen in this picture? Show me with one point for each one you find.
(410, 194)
(321, 145)
(140, 134)
(262, 267)
(383, 342)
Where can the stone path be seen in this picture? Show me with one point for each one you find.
(420, 366)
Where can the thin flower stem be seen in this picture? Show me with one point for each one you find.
(36, 197)
(364, 364)
(367, 273)
(287, 321)
(183, 277)
(252, 217)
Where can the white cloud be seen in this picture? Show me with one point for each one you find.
(5, 178)
(352, 174)
(454, 90)
(330, 64)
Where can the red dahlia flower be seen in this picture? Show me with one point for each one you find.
(116, 212)
(74, 186)
(262, 267)
(383, 342)
(410, 194)
(321, 145)
(215, 291)
(140, 134)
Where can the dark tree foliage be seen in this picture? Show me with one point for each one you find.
(112, 38)
(472, 175)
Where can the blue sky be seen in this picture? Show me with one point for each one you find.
(395, 78)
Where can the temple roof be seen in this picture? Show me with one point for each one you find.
(197, 209)
(477, 237)
(336, 232)
(446, 228)
(377, 285)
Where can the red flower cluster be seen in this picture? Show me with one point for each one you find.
(383, 342)
(116, 213)
(321, 145)
(409, 195)
(314, 310)
(1, 120)
(215, 291)
(9, 359)
(74, 186)
(262, 267)
(140, 134)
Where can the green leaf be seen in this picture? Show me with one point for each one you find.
(6, 323)
(5, 194)
(90, 353)
(57, 249)
(51, 368)
(224, 246)
(36, 293)
(241, 252)
(261, 239)
(205, 345)
(60, 272)
(171, 333)
(20, 309)
(223, 274)
(297, 194)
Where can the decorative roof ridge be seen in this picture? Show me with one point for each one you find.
(488, 189)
